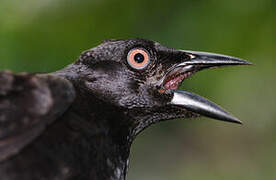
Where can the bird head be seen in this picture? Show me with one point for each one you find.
(141, 79)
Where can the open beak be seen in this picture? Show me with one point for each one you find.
(195, 62)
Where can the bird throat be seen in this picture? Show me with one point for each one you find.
(102, 143)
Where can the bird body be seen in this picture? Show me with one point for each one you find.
(80, 122)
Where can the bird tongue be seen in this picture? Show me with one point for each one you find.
(174, 83)
(174, 80)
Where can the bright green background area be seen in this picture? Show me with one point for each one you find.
(45, 35)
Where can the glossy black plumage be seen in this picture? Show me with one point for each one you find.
(80, 122)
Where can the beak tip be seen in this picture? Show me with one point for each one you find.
(225, 116)
(244, 62)
(237, 121)
(238, 61)
(232, 119)
(228, 118)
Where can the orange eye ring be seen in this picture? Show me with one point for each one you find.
(138, 58)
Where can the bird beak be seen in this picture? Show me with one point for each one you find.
(211, 59)
(192, 102)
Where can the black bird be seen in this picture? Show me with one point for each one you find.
(79, 123)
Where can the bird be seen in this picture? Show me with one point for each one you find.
(79, 123)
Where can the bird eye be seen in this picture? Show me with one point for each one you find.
(138, 58)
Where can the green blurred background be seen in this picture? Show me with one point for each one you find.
(45, 35)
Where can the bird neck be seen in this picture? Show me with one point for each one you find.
(105, 138)
(103, 132)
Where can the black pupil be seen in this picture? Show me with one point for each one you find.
(139, 58)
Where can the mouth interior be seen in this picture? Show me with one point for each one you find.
(174, 79)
